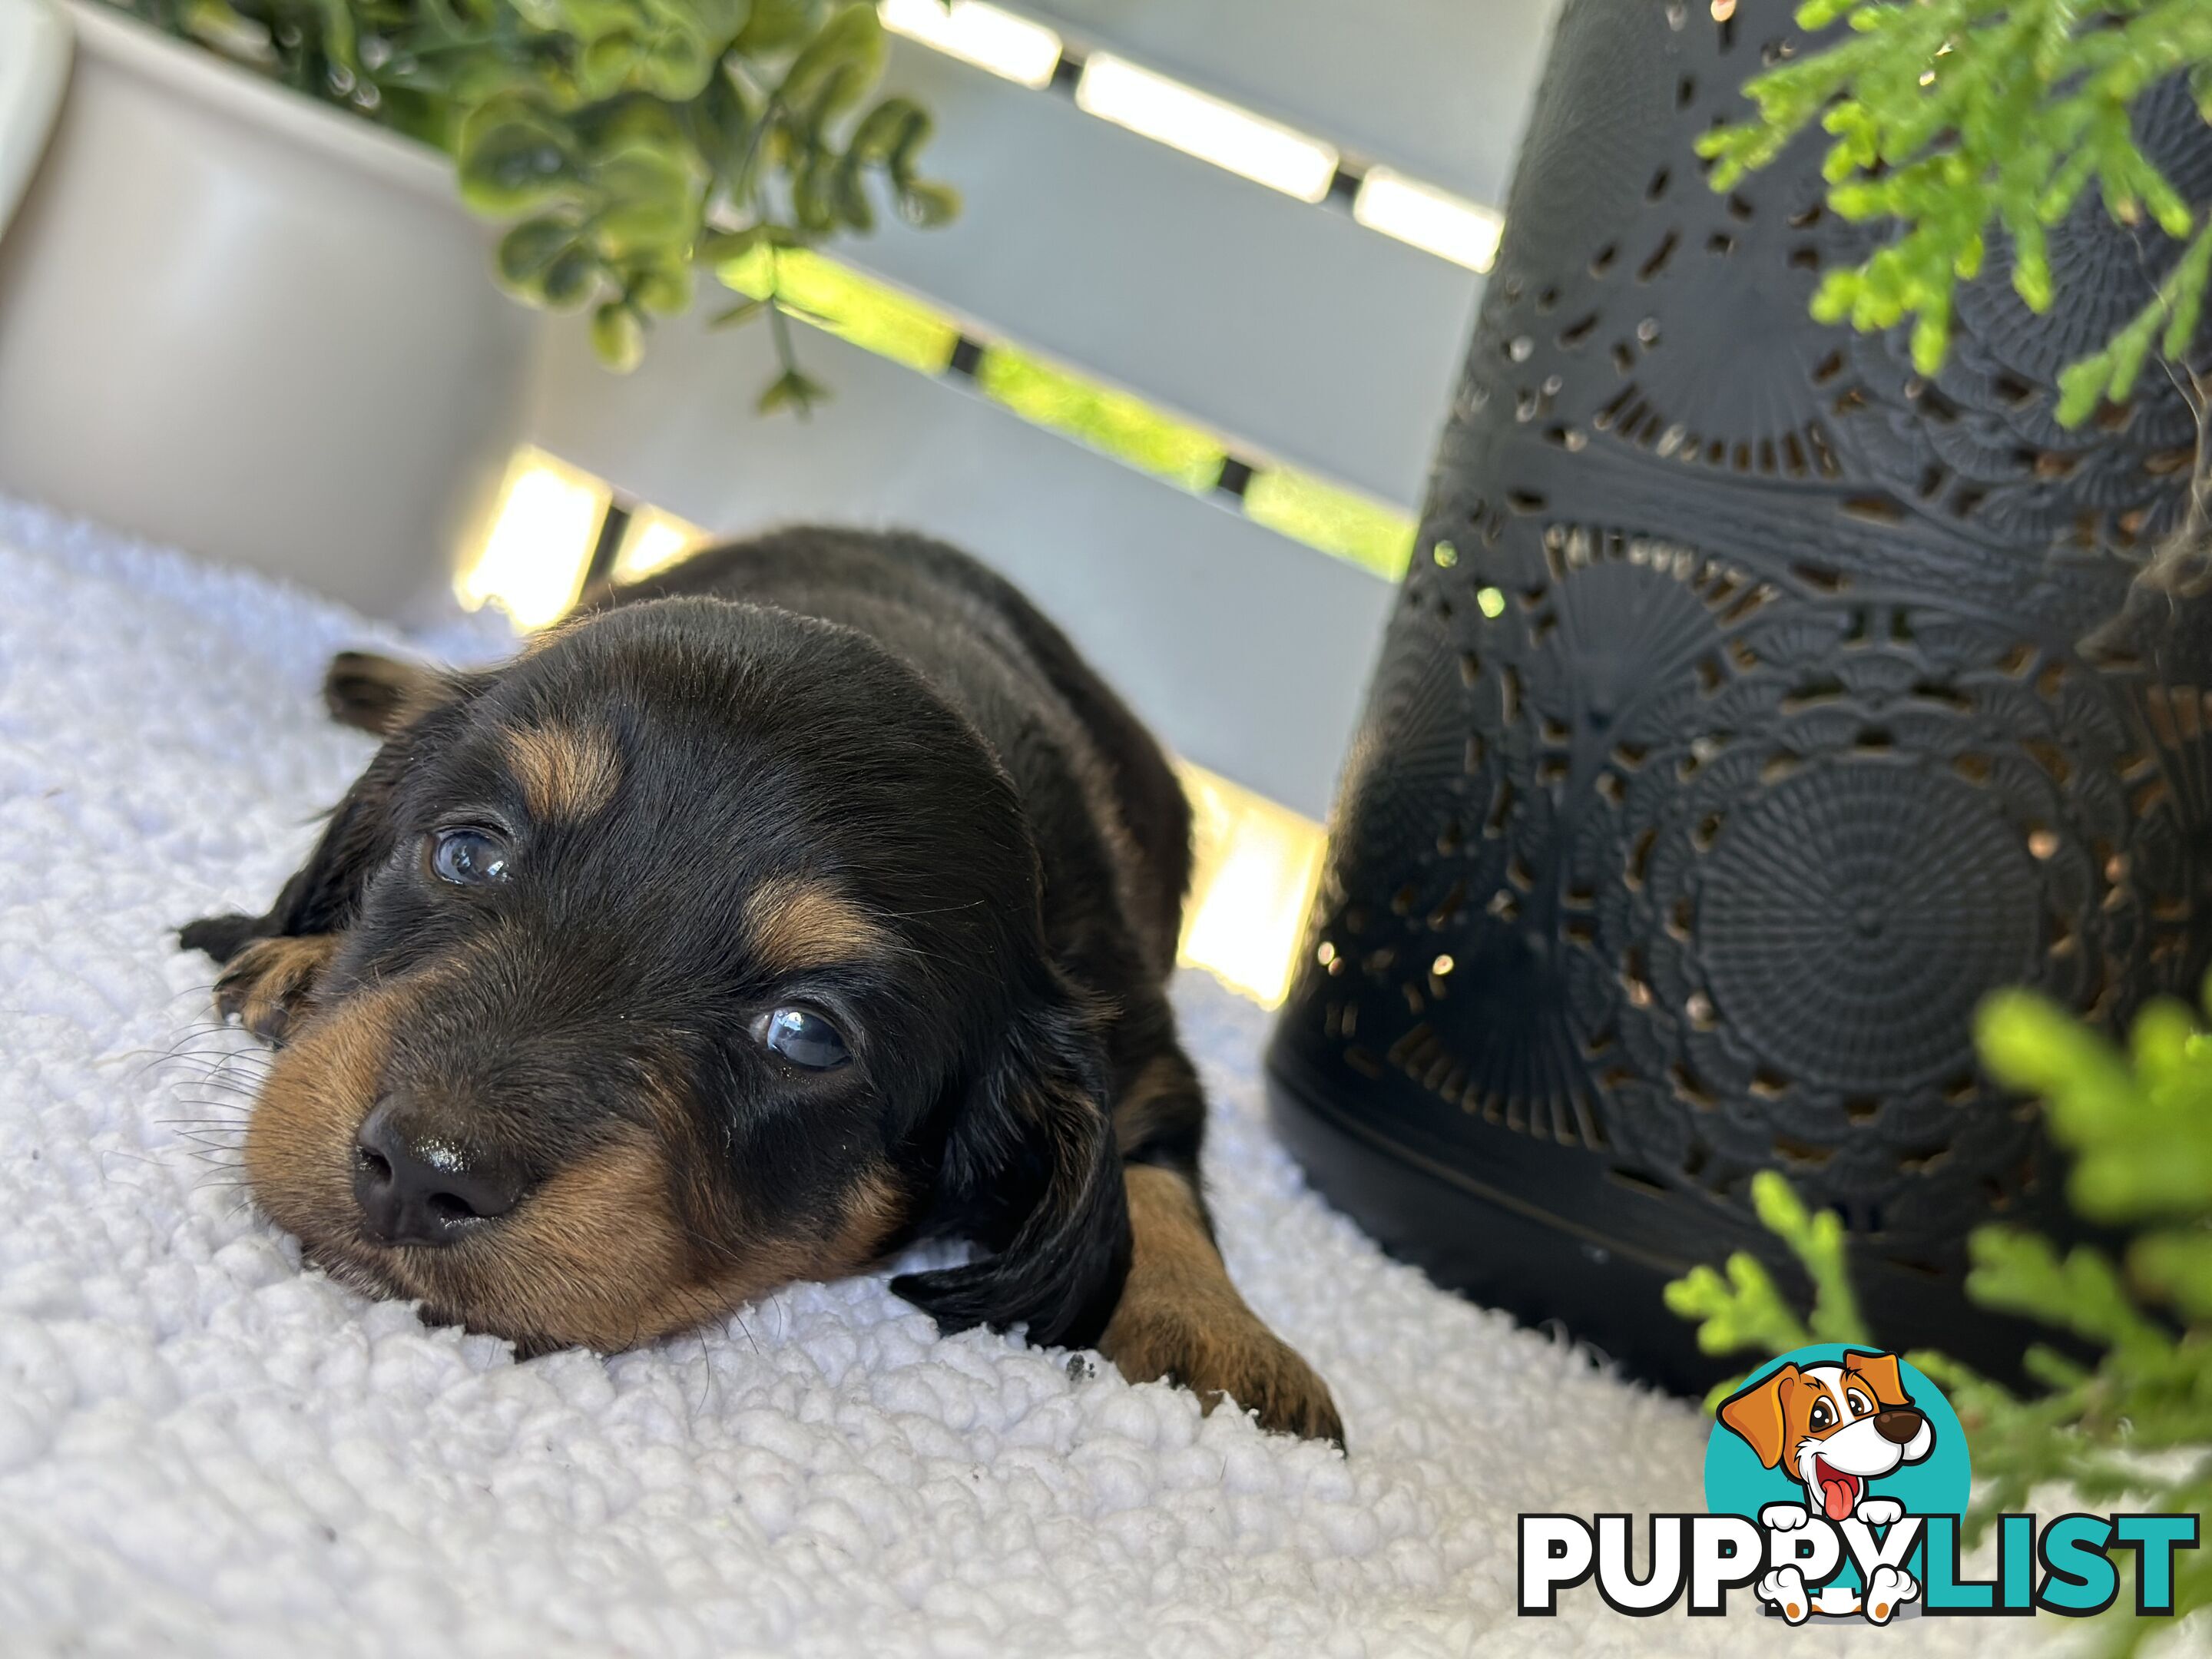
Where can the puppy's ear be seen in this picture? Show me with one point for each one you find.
(1882, 1374)
(1030, 1167)
(378, 694)
(1757, 1415)
(323, 893)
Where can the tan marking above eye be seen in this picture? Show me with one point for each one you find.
(795, 922)
(565, 772)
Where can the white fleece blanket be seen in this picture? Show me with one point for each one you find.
(205, 1450)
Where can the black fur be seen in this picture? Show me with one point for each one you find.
(1004, 853)
(879, 710)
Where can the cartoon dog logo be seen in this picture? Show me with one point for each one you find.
(1835, 1428)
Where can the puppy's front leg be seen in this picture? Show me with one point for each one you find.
(268, 981)
(1179, 1316)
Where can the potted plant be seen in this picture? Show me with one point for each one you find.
(244, 305)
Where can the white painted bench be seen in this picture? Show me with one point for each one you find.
(1297, 334)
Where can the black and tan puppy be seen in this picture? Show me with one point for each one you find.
(807, 899)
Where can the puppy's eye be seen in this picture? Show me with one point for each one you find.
(468, 858)
(804, 1038)
(1822, 1415)
(1860, 1404)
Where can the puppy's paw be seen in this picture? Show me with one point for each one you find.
(268, 982)
(220, 937)
(1880, 1511)
(1783, 1589)
(1887, 1590)
(1783, 1517)
(1229, 1355)
(373, 694)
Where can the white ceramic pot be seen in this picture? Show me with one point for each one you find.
(254, 327)
(34, 54)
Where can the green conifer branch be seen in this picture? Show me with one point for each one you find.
(2131, 1424)
(1960, 119)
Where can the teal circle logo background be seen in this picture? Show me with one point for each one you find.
(1737, 1484)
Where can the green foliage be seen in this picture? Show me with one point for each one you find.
(831, 296)
(1954, 117)
(2135, 1427)
(630, 143)
(1377, 538)
(1112, 422)
(1747, 1309)
(814, 289)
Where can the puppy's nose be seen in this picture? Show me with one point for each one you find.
(1898, 1424)
(419, 1184)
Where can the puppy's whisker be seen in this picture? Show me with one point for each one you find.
(219, 1065)
(223, 1135)
(219, 1080)
(705, 1378)
(212, 1062)
(151, 1060)
(237, 1111)
(237, 1102)
(244, 1079)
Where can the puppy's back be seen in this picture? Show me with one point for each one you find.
(1015, 675)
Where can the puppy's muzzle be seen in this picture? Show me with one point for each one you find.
(1898, 1424)
(417, 1183)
